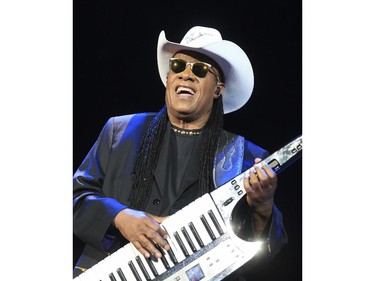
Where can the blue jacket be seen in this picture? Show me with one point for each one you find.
(106, 175)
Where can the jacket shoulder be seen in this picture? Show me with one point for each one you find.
(250, 150)
(125, 119)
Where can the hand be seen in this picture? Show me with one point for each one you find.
(260, 188)
(142, 230)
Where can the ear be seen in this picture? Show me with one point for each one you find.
(220, 87)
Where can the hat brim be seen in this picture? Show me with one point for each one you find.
(236, 67)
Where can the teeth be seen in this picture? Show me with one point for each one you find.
(183, 89)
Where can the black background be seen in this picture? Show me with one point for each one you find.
(115, 72)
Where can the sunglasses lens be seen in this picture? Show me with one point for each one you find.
(200, 69)
(178, 66)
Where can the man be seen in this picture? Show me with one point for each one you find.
(145, 167)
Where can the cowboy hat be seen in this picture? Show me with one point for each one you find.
(234, 63)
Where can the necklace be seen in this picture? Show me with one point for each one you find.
(185, 132)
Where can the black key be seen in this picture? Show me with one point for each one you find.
(207, 227)
(181, 244)
(163, 258)
(112, 277)
(143, 268)
(152, 267)
(121, 274)
(172, 256)
(216, 223)
(188, 239)
(134, 270)
(165, 262)
(196, 235)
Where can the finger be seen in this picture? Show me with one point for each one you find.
(254, 180)
(157, 239)
(141, 249)
(157, 227)
(270, 173)
(257, 160)
(252, 188)
(150, 245)
(159, 235)
(261, 175)
(246, 183)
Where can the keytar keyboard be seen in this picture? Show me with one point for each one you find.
(203, 243)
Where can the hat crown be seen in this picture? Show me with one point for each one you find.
(200, 36)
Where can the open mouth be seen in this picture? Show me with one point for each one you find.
(184, 90)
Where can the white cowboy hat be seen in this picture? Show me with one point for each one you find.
(236, 66)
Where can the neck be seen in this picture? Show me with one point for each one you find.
(186, 123)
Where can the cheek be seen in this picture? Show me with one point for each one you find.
(167, 96)
(168, 81)
(168, 88)
(206, 102)
(208, 94)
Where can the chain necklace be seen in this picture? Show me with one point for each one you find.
(185, 132)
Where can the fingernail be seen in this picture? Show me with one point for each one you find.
(158, 255)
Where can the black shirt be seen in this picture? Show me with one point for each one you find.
(178, 167)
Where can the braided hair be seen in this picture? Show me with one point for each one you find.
(148, 154)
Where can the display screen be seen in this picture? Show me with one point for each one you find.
(195, 273)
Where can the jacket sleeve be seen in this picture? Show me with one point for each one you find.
(93, 213)
(274, 234)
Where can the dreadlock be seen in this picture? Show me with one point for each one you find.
(147, 156)
(146, 160)
(210, 141)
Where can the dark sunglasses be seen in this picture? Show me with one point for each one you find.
(199, 69)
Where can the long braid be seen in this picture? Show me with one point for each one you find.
(146, 160)
(210, 139)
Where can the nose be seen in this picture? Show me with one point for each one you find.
(187, 73)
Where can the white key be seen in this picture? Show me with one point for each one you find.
(195, 247)
(208, 221)
(169, 225)
(159, 266)
(119, 260)
(94, 273)
(184, 217)
(167, 259)
(178, 224)
(197, 210)
(132, 254)
(212, 207)
(102, 270)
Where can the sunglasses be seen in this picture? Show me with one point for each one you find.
(200, 69)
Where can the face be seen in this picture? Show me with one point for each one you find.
(189, 98)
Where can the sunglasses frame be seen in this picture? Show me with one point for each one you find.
(192, 67)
